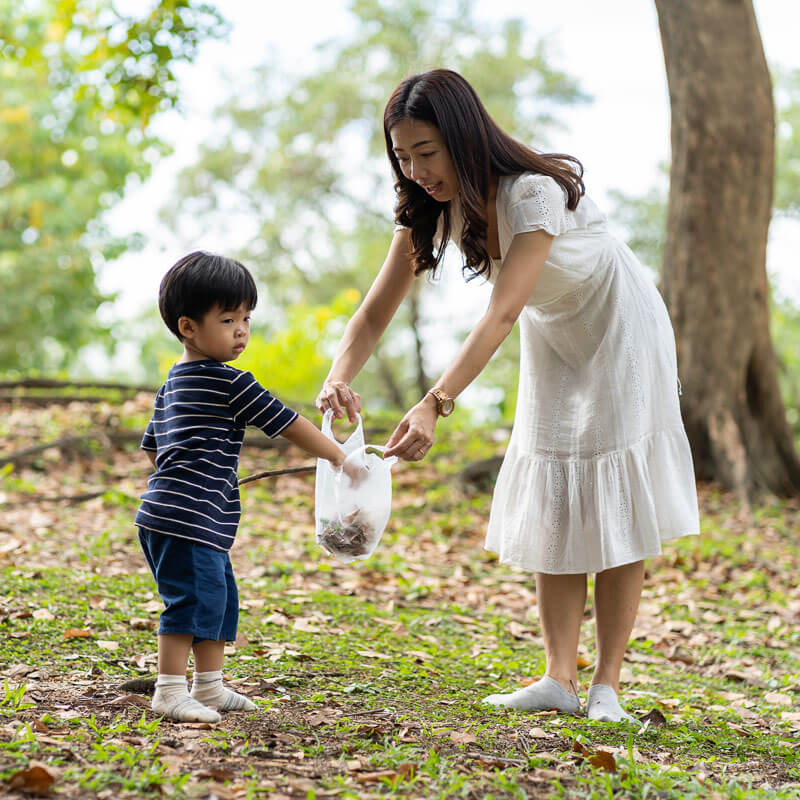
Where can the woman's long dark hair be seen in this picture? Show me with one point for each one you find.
(479, 150)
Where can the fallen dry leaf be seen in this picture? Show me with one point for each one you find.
(222, 792)
(653, 719)
(462, 737)
(77, 633)
(37, 779)
(322, 718)
(374, 654)
(602, 759)
(306, 624)
(19, 671)
(217, 773)
(376, 777)
(129, 700)
(778, 698)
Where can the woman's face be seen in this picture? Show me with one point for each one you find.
(424, 158)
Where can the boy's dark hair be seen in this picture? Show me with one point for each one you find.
(198, 282)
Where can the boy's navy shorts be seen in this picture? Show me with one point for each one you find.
(196, 584)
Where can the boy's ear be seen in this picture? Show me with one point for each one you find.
(186, 326)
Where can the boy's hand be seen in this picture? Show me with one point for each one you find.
(355, 469)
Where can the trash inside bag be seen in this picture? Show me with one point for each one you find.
(351, 519)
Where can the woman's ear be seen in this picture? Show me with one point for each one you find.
(186, 327)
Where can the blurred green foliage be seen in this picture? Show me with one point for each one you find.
(787, 167)
(79, 84)
(305, 157)
(291, 360)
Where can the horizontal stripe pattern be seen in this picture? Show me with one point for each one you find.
(197, 428)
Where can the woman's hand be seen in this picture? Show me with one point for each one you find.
(338, 396)
(413, 437)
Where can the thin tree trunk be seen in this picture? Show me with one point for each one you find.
(389, 380)
(423, 383)
(714, 268)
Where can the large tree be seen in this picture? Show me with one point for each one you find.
(714, 277)
(79, 84)
(305, 157)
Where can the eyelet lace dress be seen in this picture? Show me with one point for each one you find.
(598, 471)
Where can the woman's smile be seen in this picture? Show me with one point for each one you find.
(432, 190)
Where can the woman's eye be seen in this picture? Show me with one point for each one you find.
(427, 155)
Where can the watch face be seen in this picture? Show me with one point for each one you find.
(447, 406)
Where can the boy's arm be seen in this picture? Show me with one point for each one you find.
(152, 456)
(307, 436)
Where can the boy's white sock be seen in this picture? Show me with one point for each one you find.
(208, 689)
(544, 695)
(602, 704)
(172, 700)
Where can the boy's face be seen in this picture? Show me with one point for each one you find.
(220, 335)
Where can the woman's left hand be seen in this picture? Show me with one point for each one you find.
(413, 437)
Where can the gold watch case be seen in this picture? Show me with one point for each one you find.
(444, 405)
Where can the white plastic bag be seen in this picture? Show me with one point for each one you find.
(351, 520)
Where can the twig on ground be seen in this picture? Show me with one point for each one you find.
(275, 472)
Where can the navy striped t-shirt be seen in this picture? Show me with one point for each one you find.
(196, 431)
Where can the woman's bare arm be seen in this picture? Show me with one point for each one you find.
(521, 269)
(366, 326)
(515, 282)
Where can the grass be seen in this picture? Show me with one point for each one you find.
(368, 678)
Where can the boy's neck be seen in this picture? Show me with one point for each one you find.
(190, 354)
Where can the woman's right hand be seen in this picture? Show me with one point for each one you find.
(338, 395)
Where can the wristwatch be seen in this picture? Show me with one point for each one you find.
(444, 404)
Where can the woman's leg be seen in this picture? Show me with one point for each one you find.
(561, 600)
(616, 596)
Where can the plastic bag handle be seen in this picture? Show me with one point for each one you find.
(327, 427)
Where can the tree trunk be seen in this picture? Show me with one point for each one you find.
(414, 321)
(389, 381)
(714, 268)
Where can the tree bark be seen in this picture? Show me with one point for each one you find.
(423, 384)
(714, 262)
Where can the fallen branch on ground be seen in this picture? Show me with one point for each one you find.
(275, 472)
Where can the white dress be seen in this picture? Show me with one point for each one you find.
(598, 471)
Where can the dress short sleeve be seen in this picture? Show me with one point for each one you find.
(537, 202)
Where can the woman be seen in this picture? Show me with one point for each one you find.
(598, 471)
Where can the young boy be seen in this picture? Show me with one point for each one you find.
(190, 512)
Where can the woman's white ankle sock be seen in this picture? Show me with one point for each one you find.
(172, 700)
(544, 695)
(602, 704)
(207, 688)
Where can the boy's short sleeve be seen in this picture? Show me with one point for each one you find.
(149, 438)
(252, 404)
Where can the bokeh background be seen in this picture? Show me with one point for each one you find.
(133, 131)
